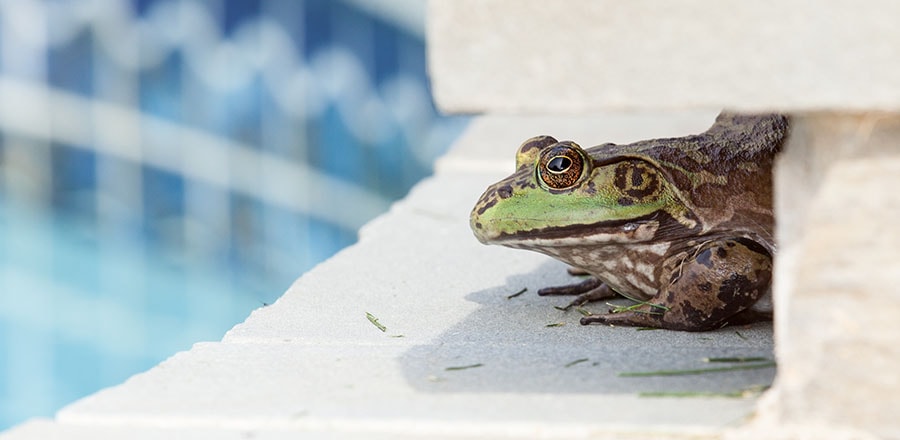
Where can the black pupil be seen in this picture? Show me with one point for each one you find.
(559, 164)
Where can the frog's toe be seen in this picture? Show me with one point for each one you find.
(599, 293)
(593, 319)
(625, 319)
(572, 289)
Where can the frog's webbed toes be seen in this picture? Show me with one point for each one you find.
(587, 291)
(648, 318)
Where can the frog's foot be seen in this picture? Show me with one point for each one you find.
(587, 291)
(716, 288)
(632, 318)
(650, 318)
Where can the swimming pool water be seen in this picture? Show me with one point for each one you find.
(168, 166)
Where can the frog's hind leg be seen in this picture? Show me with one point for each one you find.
(588, 290)
(713, 288)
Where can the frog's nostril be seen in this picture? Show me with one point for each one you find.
(504, 192)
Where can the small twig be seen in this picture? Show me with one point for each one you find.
(695, 371)
(634, 307)
(737, 394)
(375, 322)
(463, 367)
(524, 289)
(583, 311)
(556, 324)
(740, 335)
(736, 359)
(575, 362)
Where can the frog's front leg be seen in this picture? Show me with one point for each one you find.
(714, 285)
(591, 289)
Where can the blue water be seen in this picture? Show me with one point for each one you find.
(80, 311)
(121, 246)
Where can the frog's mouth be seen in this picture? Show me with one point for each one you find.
(617, 231)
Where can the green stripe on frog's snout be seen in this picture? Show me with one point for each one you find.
(526, 211)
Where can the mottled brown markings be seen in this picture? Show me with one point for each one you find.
(505, 191)
(742, 146)
(736, 292)
(487, 205)
(621, 178)
(690, 314)
(617, 266)
(705, 298)
(525, 183)
(637, 180)
(733, 286)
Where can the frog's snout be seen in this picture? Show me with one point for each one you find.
(476, 219)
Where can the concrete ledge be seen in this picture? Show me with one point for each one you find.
(838, 275)
(313, 364)
(588, 55)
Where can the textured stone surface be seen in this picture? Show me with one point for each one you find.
(573, 56)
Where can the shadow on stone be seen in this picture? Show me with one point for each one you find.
(523, 344)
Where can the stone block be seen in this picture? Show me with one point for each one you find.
(580, 55)
(838, 276)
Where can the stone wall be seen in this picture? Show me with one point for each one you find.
(580, 55)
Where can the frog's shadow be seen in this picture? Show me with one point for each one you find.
(522, 343)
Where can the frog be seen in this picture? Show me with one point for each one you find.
(681, 226)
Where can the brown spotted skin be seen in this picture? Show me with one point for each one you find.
(715, 285)
(698, 263)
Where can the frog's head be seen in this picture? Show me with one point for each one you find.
(562, 196)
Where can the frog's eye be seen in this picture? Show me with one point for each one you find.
(562, 166)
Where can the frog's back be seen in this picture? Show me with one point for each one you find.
(723, 175)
